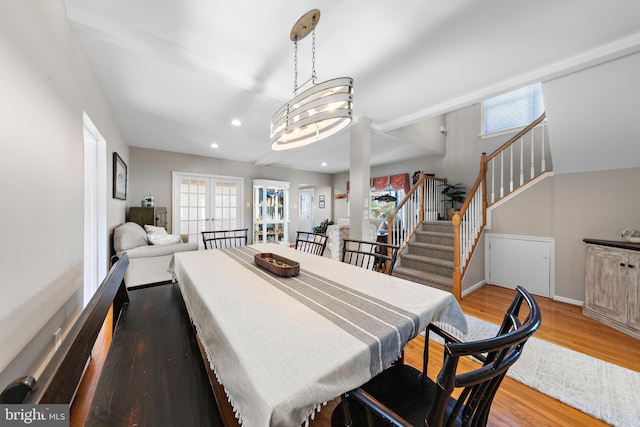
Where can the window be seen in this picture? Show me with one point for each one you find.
(512, 110)
(383, 202)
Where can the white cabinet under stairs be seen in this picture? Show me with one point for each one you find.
(514, 260)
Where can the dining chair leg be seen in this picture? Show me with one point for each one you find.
(345, 411)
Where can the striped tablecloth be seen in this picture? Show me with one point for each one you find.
(283, 346)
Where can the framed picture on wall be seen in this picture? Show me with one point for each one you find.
(119, 177)
(321, 201)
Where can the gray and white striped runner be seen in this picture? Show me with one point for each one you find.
(381, 326)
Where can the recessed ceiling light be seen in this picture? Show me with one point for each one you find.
(324, 164)
(236, 122)
(214, 145)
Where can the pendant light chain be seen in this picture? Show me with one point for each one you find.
(313, 53)
(295, 66)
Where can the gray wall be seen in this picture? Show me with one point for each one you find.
(594, 192)
(46, 83)
(569, 208)
(151, 171)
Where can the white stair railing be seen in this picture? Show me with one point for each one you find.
(471, 224)
(516, 163)
(423, 202)
(470, 220)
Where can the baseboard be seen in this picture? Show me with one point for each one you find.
(473, 288)
(481, 283)
(568, 300)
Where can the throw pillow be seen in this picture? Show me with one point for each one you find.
(164, 239)
(152, 229)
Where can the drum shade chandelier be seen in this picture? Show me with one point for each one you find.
(318, 111)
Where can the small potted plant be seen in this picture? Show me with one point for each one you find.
(322, 228)
(455, 194)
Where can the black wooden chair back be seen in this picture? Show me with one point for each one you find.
(403, 396)
(221, 239)
(376, 256)
(313, 243)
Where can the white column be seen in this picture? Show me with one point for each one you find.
(359, 177)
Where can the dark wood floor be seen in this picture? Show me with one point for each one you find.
(515, 404)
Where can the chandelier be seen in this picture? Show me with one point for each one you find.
(318, 111)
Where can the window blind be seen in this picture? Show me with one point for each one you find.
(513, 109)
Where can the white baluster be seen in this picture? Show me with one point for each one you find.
(511, 170)
(521, 161)
(493, 186)
(501, 174)
(532, 159)
(543, 166)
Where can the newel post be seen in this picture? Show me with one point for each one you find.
(457, 274)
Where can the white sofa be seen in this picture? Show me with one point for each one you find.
(148, 263)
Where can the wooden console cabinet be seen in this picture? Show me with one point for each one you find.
(151, 216)
(612, 284)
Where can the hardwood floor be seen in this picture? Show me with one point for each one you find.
(515, 404)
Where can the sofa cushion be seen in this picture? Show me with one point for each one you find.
(160, 250)
(129, 235)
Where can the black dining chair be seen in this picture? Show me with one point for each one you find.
(224, 238)
(404, 396)
(377, 256)
(313, 243)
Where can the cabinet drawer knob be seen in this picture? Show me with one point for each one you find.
(630, 266)
(622, 264)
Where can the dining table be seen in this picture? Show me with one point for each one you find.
(281, 347)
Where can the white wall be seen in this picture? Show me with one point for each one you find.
(46, 83)
(590, 112)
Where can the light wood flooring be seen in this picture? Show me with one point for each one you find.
(515, 404)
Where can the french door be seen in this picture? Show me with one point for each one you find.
(206, 203)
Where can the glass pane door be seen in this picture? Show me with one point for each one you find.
(206, 203)
(194, 207)
(225, 206)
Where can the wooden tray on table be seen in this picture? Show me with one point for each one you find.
(277, 264)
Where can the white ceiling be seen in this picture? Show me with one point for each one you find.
(177, 72)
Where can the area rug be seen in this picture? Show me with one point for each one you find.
(603, 390)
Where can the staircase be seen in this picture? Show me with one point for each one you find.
(428, 257)
(437, 253)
